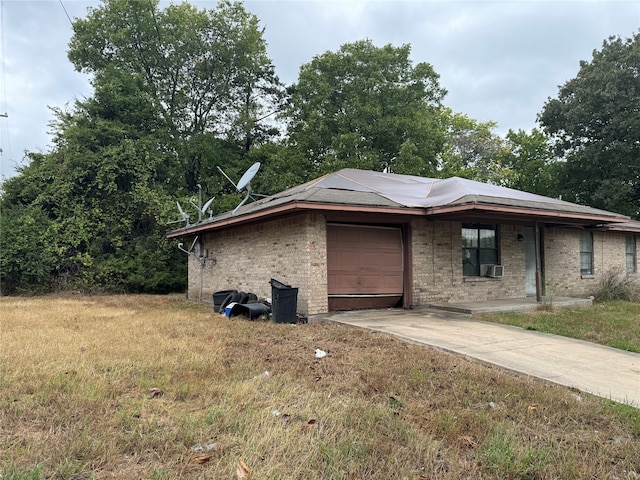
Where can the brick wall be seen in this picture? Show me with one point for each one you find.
(437, 267)
(291, 250)
(562, 261)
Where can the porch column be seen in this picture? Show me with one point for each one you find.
(407, 296)
(536, 234)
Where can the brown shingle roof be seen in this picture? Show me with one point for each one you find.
(354, 189)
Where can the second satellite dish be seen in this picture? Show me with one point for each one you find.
(206, 206)
(245, 183)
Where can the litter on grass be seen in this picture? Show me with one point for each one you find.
(263, 376)
(204, 447)
(320, 353)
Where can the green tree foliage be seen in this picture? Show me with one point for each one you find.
(101, 207)
(595, 122)
(179, 92)
(25, 266)
(176, 93)
(205, 72)
(472, 150)
(531, 163)
(367, 107)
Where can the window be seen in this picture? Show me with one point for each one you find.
(586, 253)
(630, 251)
(479, 247)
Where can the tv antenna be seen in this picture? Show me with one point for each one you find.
(245, 184)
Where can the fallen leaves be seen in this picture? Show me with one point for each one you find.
(310, 425)
(467, 441)
(155, 392)
(200, 459)
(242, 470)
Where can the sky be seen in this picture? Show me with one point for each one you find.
(499, 60)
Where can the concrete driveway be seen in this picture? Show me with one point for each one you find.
(603, 371)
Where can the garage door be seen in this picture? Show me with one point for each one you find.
(364, 267)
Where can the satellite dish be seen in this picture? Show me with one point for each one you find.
(206, 206)
(245, 183)
(183, 214)
(248, 176)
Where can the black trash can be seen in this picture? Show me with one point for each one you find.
(284, 302)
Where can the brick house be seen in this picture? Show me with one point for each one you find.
(361, 239)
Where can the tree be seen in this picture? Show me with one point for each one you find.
(531, 162)
(206, 72)
(100, 196)
(595, 123)
(472, 150)
(176, 92)
(24, 264)
(367, 107)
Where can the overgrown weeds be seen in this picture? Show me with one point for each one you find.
(142, 387)
(616, 285)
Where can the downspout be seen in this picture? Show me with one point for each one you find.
(198, 254)
(202, 260)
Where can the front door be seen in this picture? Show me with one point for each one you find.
(530, 261)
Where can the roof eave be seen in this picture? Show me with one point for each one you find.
(522, 211)
(621, 228)
(287, 208)
(441, 211)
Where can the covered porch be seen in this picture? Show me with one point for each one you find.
(527, 304)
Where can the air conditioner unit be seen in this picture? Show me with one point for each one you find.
(495, 271)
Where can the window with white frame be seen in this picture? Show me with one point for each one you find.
(479, 246)
(630, 254)
(586, 253)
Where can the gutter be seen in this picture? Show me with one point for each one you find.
(491, 208)
(301, 206)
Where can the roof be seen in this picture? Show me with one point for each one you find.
(368, 191)
(631, 227)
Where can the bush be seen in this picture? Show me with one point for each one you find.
(25, 261)
(616, 285)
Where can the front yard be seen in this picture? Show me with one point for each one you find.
(615, 324)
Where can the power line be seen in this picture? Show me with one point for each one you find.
(66, 13)
(4, 128)
(3, 93)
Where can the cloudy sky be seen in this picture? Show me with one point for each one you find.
(499, 60)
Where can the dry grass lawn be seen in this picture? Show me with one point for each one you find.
(133, 387)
